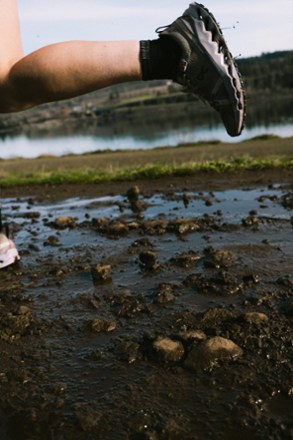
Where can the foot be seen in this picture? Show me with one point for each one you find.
(8, 251)
(207, 68)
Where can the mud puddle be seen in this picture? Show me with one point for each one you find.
(159, 317)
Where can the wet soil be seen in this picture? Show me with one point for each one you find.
(161, 310)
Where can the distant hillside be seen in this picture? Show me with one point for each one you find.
(272, 71)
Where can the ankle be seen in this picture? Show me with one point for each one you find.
(159, 58)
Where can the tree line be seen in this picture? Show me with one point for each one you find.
(270, 72)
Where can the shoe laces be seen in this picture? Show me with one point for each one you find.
(161, 29)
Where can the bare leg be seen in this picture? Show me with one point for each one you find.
(68, 69)
(58, 71)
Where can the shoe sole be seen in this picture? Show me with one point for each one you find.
(8, 258)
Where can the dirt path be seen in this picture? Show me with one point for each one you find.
(160, 313)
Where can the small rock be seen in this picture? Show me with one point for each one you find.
(219, 258)
(32, 215)
(103, 325)
(117, 229)
(136, 205)
(287, 200)
(255, 318)
(252, 222)
(34, 247)
(183, 226)
(133, 193)
(23, 310)
(168, 350)
(222, 347)
(186, 259)
(205, 355)
(164, 294)
(52, 240)
(148, 260)
(101, 273)
(216, 316)
(128, 351)
(64, 222)
(194, 335)
(186, 200)
(13, 326)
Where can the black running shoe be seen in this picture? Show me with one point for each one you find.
(207, 68)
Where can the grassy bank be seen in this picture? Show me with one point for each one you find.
(257, 154)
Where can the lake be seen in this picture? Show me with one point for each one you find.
(144, 137)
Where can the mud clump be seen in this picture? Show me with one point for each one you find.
(221, 283)
(255, 318)
(185, 199)
(148, 261)
(128, 305)
(14, 325)
(117, 229)
(287, 200)
(128, 351)
(99, 325)
(186, 259)
(133, 194)
(52, 240)
(167, 350)
(218, 258)
(208, 353)
(64, 222)
(101, 274)
(164, 294)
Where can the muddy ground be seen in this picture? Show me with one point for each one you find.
(161, 311)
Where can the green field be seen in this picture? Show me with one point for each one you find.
(266, 152)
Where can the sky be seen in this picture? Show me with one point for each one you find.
(251, 27)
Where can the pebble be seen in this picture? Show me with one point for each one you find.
(101, 273)
(133, 193)
(204, 356)
(168, 350)
(148, 260)
(117, 229)
(255, 318)
(219, 258)
(186, 200)
(186, 259)
(64, 222)
(23, 310)
(164, 294)
(103, 325)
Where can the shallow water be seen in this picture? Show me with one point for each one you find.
(234, 206)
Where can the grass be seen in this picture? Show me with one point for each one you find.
(149, 171)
